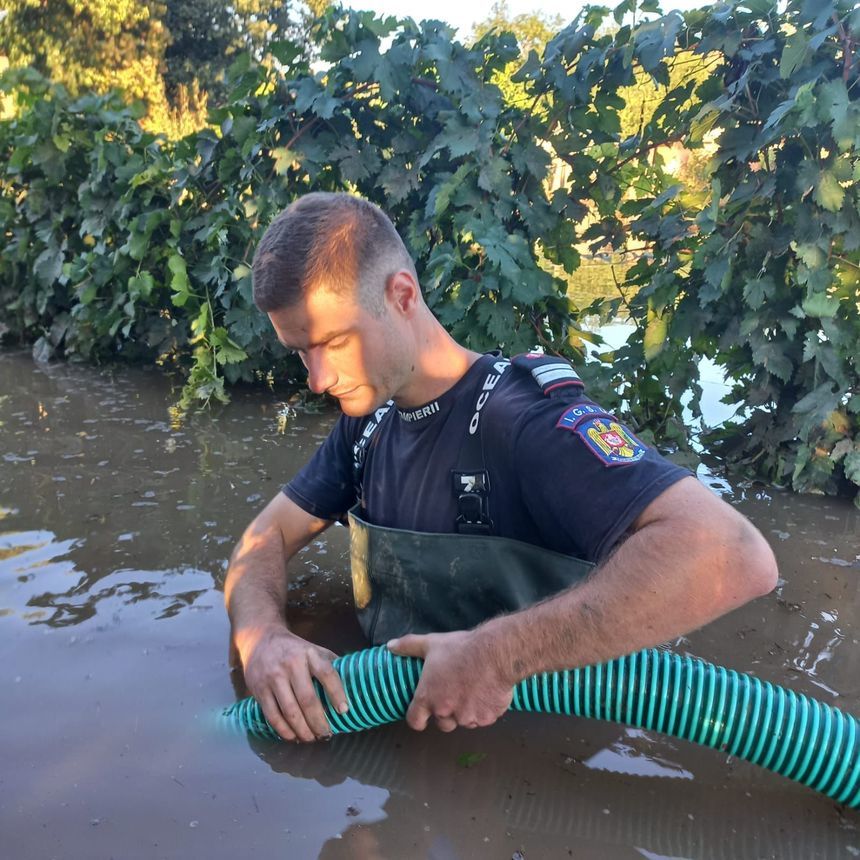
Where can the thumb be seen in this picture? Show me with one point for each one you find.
(411, 645)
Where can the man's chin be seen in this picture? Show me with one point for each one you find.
(357, 404)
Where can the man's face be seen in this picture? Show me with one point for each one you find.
(349, 353)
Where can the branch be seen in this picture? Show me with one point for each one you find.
(847, 48)
(305, 128)
(677, 138)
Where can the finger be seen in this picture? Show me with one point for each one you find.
(310, 705)
(411, 645)
(418, 716)
(276, 719)
(325, 673)
(446, 724)
(292, 712)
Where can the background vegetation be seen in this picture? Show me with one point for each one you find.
(121, 242)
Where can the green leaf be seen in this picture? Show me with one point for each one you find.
(471, 759)
(819, 403)
(179, 280)
(820, 305)
(828, 192)
(833, 101)
(772, 358)
(285, 52)
(48, 266)
(284, 159)
(137, 245)
(493, 176)
(398, 181)
(443, 192)
(811, 255)
(793, 53)
(718, 271)
(757, 290)
(656, 331)
(227, 351)
(459, 138)
(851, 465)
(496, 321)
(506, 251)
(141, 285)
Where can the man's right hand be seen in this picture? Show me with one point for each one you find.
(278, 670)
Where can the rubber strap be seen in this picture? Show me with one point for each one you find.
(360, 448)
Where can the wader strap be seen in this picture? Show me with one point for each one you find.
(471, 478)
(359, 449)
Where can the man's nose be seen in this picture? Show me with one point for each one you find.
(321, 374)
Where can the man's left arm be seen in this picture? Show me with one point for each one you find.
(689, 559)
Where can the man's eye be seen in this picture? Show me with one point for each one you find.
(338, 343)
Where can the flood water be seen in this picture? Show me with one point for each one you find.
(114, 534)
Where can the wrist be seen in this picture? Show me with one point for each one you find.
(247, 637)
(497, 643)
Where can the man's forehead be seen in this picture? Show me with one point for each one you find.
(319, 317)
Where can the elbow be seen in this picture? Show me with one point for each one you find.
(750, 566)
(764, 572)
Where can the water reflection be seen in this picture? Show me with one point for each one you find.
(508, 803)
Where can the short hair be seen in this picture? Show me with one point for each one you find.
(336, 241)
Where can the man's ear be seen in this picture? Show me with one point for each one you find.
(402, 292)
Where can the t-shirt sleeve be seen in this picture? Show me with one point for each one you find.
(585, 477)
(324, 487)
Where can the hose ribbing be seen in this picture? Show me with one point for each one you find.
(786, 732)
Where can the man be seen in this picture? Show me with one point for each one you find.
(485, 494)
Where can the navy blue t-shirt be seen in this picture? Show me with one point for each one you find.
(554, 480)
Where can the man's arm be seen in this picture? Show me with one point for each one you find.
(691, 558)
(278, 665)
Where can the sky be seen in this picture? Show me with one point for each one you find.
(463, 15)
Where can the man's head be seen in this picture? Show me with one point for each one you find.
(330, 241)
(340, 289)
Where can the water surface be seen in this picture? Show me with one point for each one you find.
(114, 533)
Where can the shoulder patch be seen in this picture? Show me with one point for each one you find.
(612, 443)
(574, 414)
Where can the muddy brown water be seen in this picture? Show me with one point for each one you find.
(114, 534)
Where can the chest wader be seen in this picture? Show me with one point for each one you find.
(421, 582)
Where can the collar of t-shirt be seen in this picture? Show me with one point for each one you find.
(422, 416)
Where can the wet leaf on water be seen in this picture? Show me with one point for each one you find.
(471, 759)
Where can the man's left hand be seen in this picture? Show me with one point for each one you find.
(461, 682)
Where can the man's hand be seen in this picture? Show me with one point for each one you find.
(278, 671)
(461, 682)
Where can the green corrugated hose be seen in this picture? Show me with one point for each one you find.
(780, 730)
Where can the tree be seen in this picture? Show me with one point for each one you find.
(532, 32)
(167, 53)
(88, 44)
(206, 36)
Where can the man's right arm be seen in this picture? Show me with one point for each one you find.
(278, 665)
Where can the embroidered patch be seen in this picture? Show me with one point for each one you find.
(610, 442)
(574, 414)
